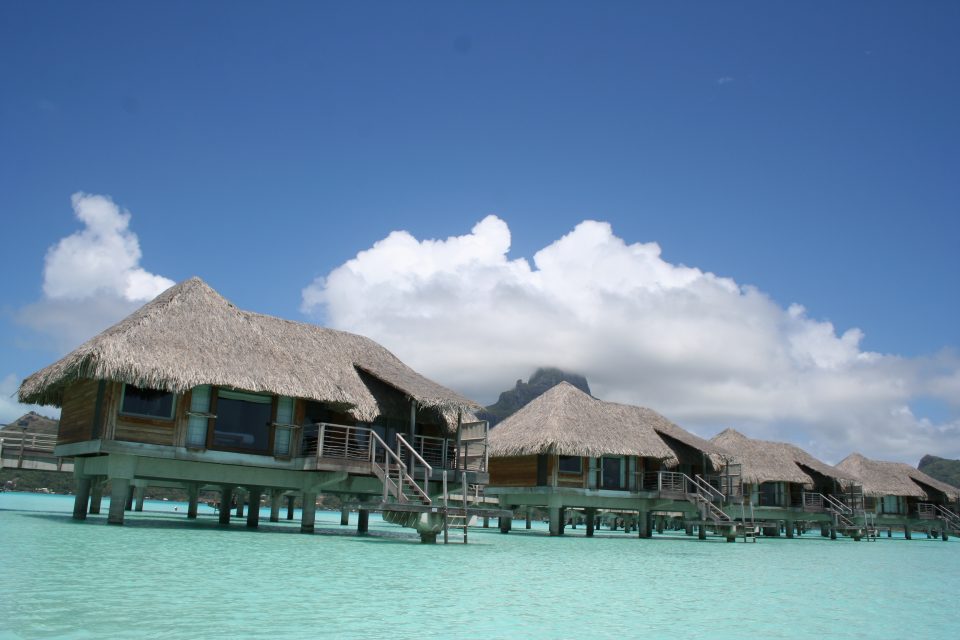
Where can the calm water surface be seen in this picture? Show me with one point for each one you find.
(161, 576)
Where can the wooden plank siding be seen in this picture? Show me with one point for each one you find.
(567, 479)
(519, 471)
(77, 412)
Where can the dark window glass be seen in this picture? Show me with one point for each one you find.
(610, 473)
(241, 424)
(570, 464)
(147, 402)
(768, 494)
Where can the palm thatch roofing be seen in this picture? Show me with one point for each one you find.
(766, 461)
(880, 478)
(190, 335)
(566, 421)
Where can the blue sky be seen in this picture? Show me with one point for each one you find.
(809, 151)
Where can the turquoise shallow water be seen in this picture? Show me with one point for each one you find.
(162, 577)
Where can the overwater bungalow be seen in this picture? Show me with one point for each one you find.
(568, 450)
(902, 497)
(190, 391)
(782, 483)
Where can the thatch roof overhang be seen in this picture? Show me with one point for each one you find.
(880, 478)
(190, 335)
(765, 461)
(566, 421)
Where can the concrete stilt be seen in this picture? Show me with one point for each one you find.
(139, 494)
(555, 525)
(660, 524)
(428, 537)
(253, 511)
(506, 523)
(833, 532)
(731, 534)
(701, 531)
(241, 498)
(643, 524)
(790, 528)
(226, 499)
(120, 492)
(344, 516)
(129, 500)
(308, 519)
(363, 522)
(529, 517)
(81, 498)
(591, 519)
(890, 532)
(907, 532)
(627, 525)
(944, 534)
(275, 495)
(563, 520)
(291, 499)
(824, 529)
(486, 522)
(688, 528)
(193, 499)
(96, 494)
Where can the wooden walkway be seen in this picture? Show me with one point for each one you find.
(26, 450)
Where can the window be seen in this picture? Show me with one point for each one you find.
(149, 403)
(243, 421)
(571, 464)
(611, 473)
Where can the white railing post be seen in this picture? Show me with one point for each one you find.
(321, 436)
(659, 481)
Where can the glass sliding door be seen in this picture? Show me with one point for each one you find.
(242, 422)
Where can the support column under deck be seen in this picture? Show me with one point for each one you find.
(253, 510)
(363, 522)
(701, 531)
(139, 493)
(529, 516)
(275, 495)
(506, 523)
(291, 499)
(790, 528)
(907, 532)
(226, 501)
(309, 512)
(96, 494)
(119, 494)
(193, 500)
(344, 516)
(643, 524)
(241, 498)
(556, 528)
(81, 498)
(591, 520)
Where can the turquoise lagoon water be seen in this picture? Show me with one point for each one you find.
(160, 576)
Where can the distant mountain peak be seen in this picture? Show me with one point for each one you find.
(543, 378)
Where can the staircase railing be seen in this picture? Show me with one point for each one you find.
(926, 511)
(392, 471)
(813, 502)
(949, 516)
(404, 446)
(842, 512)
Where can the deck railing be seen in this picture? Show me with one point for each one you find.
(813, 502)
(926, 511)
(25, 440)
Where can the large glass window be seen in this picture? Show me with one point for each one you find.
(611, 473)
(243, 421)
(150, 403)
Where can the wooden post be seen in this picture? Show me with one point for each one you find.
(96, 494)
(275, 495)
(790, 528)
(119, 494)
(226, 500)
(344, 516)
(309, 514)
(253, 509)
(701, 531)
(81, 497)
(291, 499)
(529, 516)
(464, 489)
(139, 493)
(363, 521)
(193, 498)
(591, 520)
(241, 497)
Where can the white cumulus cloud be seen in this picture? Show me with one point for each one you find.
(702, 349)
(92, 278)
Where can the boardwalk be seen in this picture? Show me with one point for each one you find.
(31, 450)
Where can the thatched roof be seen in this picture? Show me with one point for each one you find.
(766, 461)
(880, 478)
(190, 335)
(566, 421)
